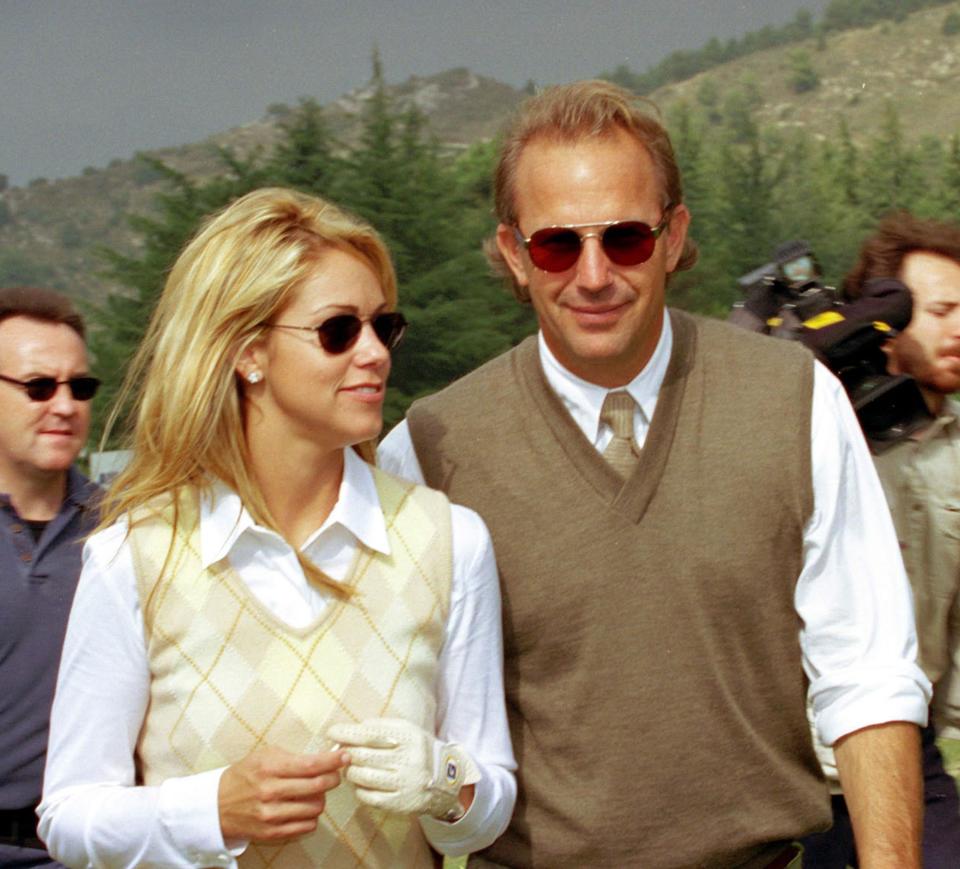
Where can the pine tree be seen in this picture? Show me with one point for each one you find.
(891, 177)
(119, 322)
(304, 156)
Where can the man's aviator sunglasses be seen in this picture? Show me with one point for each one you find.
(338, 334)
(44, 388)
(625, 242)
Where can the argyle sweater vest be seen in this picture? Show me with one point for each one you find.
(228, 677)
(652, 661)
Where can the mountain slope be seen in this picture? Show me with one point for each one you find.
(49, 231)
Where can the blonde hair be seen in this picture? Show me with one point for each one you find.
(571, 113)
(241, 268)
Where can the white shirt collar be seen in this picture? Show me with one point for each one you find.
(223, 519)
(584, 400)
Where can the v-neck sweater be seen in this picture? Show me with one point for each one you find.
(652, 659)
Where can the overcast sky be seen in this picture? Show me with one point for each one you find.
(84, 81)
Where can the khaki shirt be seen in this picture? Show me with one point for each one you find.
(921, 480)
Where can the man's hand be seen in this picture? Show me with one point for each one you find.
(272, 795)
(880, 773)
(401, 768)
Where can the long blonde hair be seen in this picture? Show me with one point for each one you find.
(239, 270)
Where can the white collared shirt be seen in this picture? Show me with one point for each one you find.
(857, 633)
(92, 812)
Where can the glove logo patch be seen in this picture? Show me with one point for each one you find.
(452, 771)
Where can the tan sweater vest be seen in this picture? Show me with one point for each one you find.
(653, 667)
(228, 677)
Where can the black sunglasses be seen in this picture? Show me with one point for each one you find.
(44, 388)
(625, 242)
(340, 333)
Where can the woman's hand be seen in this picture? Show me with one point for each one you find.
(272, 795)
(400, 767)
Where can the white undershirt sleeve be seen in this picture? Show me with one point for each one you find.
(470, 702)
(92, 814)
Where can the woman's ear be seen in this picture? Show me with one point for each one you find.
(251, 363)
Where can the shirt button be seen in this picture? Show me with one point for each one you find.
(26, 557)
(16, 528)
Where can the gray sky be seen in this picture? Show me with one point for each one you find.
(84, 81)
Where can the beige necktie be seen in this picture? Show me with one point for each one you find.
(617, 412)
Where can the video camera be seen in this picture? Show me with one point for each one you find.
(786, 298)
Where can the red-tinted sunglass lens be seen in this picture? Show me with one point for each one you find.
(554, 250)
(629, 243)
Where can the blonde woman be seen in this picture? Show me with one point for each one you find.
(278, 655)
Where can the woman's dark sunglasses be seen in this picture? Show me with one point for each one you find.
(44, 388)
(340, 333)
(625, 242)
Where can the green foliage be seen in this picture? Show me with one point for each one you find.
(304, 157)
(120, 321)
(17, 268)
(681, 65)
(847, 14)
(748, 190)
(951, 24)
(70, 235)
(145, 170)
(803, 77)
(839, 15)
(433, 211)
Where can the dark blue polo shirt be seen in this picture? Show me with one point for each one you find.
(37, 582)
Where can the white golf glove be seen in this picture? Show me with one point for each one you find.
(400, 767)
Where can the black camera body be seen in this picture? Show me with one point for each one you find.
(786, 298)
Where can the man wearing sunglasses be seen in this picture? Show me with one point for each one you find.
(47, 508)
(689, 531)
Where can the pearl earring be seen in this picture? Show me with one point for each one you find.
(254, 377)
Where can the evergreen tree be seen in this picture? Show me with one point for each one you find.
(950, 203)
(303, 158)
(891, 177)
(119, 322)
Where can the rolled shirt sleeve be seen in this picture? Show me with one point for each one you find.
(853, 598)
(857, 634)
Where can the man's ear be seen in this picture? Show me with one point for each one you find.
(889, 348)
(677, 234)
(512, 253)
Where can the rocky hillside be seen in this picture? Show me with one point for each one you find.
(50, 231)
(911, 65)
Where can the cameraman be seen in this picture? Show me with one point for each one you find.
(921, 480)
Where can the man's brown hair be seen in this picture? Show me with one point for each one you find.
(899, 234)
(39, 303)
(571, 113)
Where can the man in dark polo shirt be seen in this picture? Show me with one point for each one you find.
(47, 507)
(691, 536)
